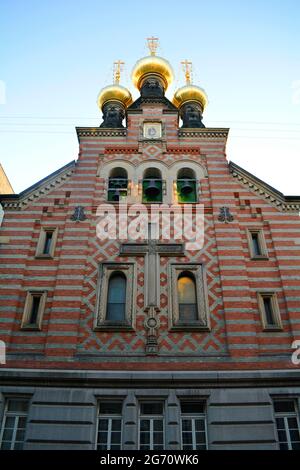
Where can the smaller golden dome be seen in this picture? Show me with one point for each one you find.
(190, 93)
(114, 93)
(152, 65)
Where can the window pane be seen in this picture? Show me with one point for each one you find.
(294, 435)
(187, 298)
(190, 407)
(115, 437)
(268, 310)
(186, 425)
(103, 425)
(199, 425)
(296, 445)
(283, 446)
(18, 405)
(144, 438)
(115, 312)
(283, 406)
(20, 435)
(116, 299)
(293, 424)
(255, 244)
(48, 241)
(186, 290)
(158, 438)
(102, 437)
(110, 408)
(34, 309)
(116, 425)
(158, 425)
(187, 438)
(8, 434)
(155, 408)
(280, 423)
(187, 312)
(145, 425)
(282, 435)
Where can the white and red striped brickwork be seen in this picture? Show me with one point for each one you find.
(68, 340)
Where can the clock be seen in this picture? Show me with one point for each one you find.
(152, 130)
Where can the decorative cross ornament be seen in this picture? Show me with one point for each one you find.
(78, 214)
(225, 215)
(152, 45)
(152, 250)
(187, 68)
(118, 67)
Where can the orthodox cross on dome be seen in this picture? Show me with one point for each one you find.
(152, 45)
(187, 68)
(152, 249)
(118, 68)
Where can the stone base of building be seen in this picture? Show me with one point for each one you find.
(63, 405)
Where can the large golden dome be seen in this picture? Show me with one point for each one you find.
(190, 93)
(114, 93)
(152, 65)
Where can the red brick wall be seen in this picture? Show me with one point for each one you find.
(67, 339)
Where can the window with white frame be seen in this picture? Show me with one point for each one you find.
(34, 309)
(13, 427)
(47, 241)
(115, 308)
(269, 310)
(193, 425)
(257, 244)
(109, 427)
(189, 297)
(151, 425)
(287, 423)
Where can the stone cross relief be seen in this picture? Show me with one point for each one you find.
(152, 250)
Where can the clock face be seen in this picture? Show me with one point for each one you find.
(152, 130)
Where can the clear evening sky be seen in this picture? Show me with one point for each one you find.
(55, 56)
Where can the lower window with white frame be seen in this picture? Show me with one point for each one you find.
(287, 423)
(151, 425)
(13, 427)
(109, 429)
(193, 425)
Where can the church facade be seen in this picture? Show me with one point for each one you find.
(150, 342)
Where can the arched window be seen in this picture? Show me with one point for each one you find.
(152, 185)
(117, 185)
(186, 185)
(116, 298)
(187, 297)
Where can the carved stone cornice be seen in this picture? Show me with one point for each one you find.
(100, 132)
(262, 189)
(205, 133)
(41, 188)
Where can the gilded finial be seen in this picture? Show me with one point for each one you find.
(152, 45)
(118, 67)
(187, 68)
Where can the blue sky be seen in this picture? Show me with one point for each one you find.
(55, 56)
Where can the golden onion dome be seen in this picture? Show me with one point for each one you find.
(190, 93)
(114, 92)
(152, 65)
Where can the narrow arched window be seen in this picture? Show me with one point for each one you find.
(186, 185)
(187, 298)
(152, 185)
(116, 298)
(117, 185)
